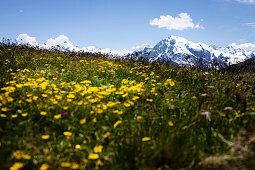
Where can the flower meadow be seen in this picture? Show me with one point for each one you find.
(64, 110)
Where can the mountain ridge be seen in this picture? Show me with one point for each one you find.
(180, 51)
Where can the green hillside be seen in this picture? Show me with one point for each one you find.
(61, 110)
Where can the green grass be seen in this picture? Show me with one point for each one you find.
(82, 111)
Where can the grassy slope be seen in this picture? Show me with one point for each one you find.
(111, 107)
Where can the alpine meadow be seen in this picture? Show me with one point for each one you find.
(85, 111)
(127, 85)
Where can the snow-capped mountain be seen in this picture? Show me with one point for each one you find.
(179, 51)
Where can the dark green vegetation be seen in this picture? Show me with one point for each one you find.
(82, 111)
(248, 65)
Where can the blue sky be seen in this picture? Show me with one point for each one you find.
(119, 24)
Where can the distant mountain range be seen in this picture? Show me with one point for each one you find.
(173, 50)
(179, 51)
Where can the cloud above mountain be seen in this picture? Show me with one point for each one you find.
(63, 42)
(26, 39)
(60, 41)
(245, 46)
(181, 22)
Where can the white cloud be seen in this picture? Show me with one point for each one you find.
(182, 22)
(26, 39)
(62, 42)
(141, 47)
(246, 1)
(245, 46)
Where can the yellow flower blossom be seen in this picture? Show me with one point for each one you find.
(98, 149)
(99, 162)
(70, 96)
(170, 123)
(35, 97)
(67, 133)
(117, 123)
(58, 116)
(14, 116)
(106, 135)
(65, 164)
(44, 167)
(43, 113)
(139, 117)
(17, 166)
(75, 166)
(44, 95)
(4, 109)
(146, 139)
(24, 114)
(3, 115)
(45, 137)
(93, 156)
(82, 121)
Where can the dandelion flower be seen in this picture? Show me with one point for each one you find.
(117, 123)
(24, 114)
(67, 133)
(45, 137)
(98, 149)
(77, 147)
(16, 166)
(44, 167)
(170, 123)
(82, 121)
(3, 115)
(43, 113)
(75, 166)
(93, 156)
(58, 116)
(65, 164)
(146, 139)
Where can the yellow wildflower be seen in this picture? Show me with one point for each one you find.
(65, 164)
(106, 134)
(139, 117)
(127, 104)
(75, 166)
(44, 95)
(67, 133)
(77, 147)
(82, 121)
(58, 116)
(117, 123)
(24, 114)
(3, 115)
(17, 166)
(44, 167)
(93, 156)
(98, 149)
(43, 113)
(99, 162)
(70, 96)
(4, 109)
(35, 97)
(146, 139)
(14, 116)
(170, 123)
(26, 156)
(45, 137)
